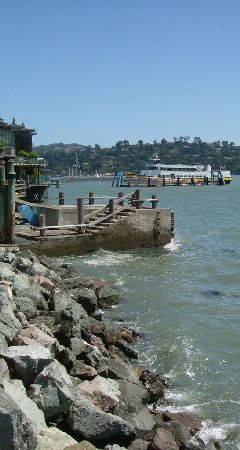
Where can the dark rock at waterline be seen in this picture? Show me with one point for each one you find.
(126, 349)
(212, 293)
(118, 369)
(190, 420)
(154, 384)
(107, 296)
(86, 297)
(132, 398)
(163, 440)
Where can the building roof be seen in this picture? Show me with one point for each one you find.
(16, 127)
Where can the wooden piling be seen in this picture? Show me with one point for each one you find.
(42, 223)
(91, 198)
(120, 195)
(154, 201)
(111, 206)
(138, 199)
(61, 198)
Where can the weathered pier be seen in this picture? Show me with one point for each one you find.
(123, 223)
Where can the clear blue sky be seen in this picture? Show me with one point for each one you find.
(99, 71)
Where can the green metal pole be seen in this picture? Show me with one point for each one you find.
(2, 203)
(10, 213)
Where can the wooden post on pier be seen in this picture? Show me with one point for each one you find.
(2, 202)
(111, 206)
(42, 223)
(91, 198)
(80, 212)
(10, 200)
(154, 201)
(120, 195)
(61, 198)
(138, 199)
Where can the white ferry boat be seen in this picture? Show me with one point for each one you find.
(184, 172)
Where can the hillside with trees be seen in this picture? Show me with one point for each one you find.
(127, 157)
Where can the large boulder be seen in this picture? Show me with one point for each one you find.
(119, 369)
(104, 393)
(60, 299)
(31, 333)
(154, 384)
(83, 371)
(27, 306)
(86, 297)
(9, 324)
(17, 392)
(107, 296)
(71, 320)
(16, 431)
(89, 422)
(33, 292)
(52, 390)
(54, 439)
(83, 445)
(132, 398)
(163, 440)
(143, 423)
(27, 360)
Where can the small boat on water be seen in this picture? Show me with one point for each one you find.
(156, 173)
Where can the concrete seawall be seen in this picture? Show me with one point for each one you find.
(136, 229)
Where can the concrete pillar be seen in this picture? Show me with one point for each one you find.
(61, 198)
(91, 198)
(10, 200)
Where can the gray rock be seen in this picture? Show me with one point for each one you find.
(9, 325)
(79, 346)
(60, 299)
(132, 398)
(83, 445)
(127, 349)
(52, 390)
(16, 431)
(83, 371)
(181, 433)
(33, 292)
(71, 320)
(3, 342)
(27, 306)
(114, 447)
(164, 440)
(17, 392)
(143, 423)
(138, 444)
(104, 393)
(89, 422)
(4, 372)
(119, 369)
(27, 360)
(32, 333)
(86, 297)
(53, 439)
(107, 296)
(66, 357)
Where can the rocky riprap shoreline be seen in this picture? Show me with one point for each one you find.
(65, 377)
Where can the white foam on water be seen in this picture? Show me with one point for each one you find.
(178, 409)
(105, 258)
(174, 245)
(211, 432)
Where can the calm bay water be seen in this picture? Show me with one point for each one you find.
(185, 298)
